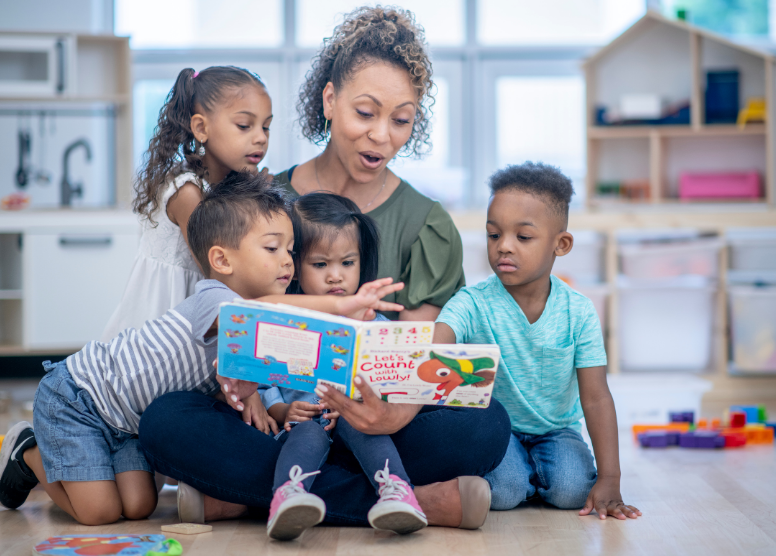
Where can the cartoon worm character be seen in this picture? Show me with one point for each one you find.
(451, 373)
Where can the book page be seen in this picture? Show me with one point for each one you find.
(396, 333)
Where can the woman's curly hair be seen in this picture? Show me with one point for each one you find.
(172, 149)
(386, 34)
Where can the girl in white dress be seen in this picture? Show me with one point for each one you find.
(213, 122)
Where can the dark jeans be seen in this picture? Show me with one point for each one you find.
(205, 443)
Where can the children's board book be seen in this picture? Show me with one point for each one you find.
(298, 348)
(99, 545)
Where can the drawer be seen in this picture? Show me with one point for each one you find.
(72, 284)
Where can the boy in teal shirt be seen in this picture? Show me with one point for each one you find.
(552, 370)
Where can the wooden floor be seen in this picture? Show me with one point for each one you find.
(694, 502)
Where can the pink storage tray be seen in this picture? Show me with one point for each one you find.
(742, 185)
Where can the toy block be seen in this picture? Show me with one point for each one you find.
(770, 425)
(701, 439)
(703, 424)
(758, 434)
(762, 414)
(752, 412)
(715, 423)
(1, 440)
(676, 427)
(681, 417)
(653, 439)
(187, 528)
(734, 439)
(737, 419)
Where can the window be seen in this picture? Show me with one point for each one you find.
(200, 23)
(737, 18)
(444, 27)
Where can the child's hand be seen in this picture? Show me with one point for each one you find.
(301, 411)
(605, 499)
(255, 414)
(367, 300)
(331, 416)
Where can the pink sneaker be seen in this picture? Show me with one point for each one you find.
(398, 509)
(293, 509)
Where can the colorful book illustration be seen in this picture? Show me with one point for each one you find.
(101, 545)
(300, 349)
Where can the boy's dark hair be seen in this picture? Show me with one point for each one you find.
(228, 211)
(320, 217)
(173, 145)
(542, 180)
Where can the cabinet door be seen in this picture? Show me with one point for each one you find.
(72, 284)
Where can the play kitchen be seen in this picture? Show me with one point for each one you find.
(67, 236)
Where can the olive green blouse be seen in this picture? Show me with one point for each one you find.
(419, 245)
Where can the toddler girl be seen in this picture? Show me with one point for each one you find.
(214, 121)
(336, 248)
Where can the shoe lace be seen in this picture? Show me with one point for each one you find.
(296, 476)
(390, 489)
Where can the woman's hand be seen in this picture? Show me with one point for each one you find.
(373, 416)
(299, 412)
(235, 391)
(255, 414)
(368, 299)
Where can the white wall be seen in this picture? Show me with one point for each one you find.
(81, 16)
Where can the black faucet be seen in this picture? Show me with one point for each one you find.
(67, 189)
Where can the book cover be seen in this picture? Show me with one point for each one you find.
(298, 348)
(100, 545)
(456, 375)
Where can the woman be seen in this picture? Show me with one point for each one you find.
(368, 95)
(380, 76)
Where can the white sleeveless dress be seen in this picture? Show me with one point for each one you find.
(164, 273)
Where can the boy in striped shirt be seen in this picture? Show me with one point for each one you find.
(84, 448)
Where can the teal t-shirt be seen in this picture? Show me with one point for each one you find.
(537, 378)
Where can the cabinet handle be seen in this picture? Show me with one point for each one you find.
(60, 66)
(95, 241)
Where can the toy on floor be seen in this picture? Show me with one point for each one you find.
(187, 528)
(118, 545)
(753, 112)
(744, 424)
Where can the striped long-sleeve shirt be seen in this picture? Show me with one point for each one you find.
(167, 354)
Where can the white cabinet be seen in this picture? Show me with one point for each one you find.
(62, 274)
(72, 283)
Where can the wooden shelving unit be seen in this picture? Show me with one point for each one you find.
(97, 71)
(670, 58)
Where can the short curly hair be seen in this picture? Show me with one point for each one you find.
(542, 180)
(369, 34)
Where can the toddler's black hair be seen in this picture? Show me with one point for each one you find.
(320, 217)
(228, 211)
(536, 178)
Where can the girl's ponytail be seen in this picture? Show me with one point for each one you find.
(173, 147)
(369, 245)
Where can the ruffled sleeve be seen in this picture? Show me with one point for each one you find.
(435, 268)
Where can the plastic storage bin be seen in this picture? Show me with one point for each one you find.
(666, 325)
(730, 185)
(753, 327)
(752, 248)
(665, 260)
(584, 265)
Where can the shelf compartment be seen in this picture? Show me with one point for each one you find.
(624, 132)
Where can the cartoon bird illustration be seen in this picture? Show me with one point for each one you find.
(238, 319)
(234, 348)
(236, 333)
(417, 354)
(451, 373)
(268, 360)
(338, 332)
(339, 349)
(299, 325)
(338, 364)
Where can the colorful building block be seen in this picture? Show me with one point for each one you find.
(703, 424)
(737, 419)
(715, 423)
(676, 427)
(681, 417)
(658, 439)
(701, 439)
(734, 439)
(770, 425)
(752, 412)
(762, 414)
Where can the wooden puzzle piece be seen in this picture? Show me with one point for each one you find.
(187, 528)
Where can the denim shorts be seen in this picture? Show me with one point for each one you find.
(75, 443)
